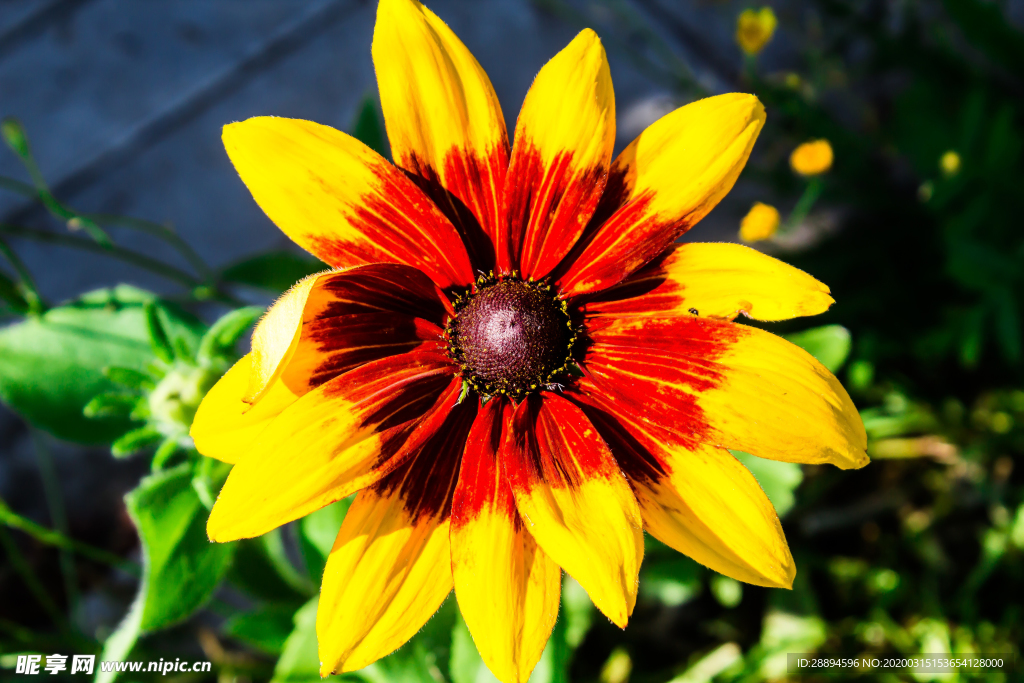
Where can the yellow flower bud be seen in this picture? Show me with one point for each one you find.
(754, 28)
(949, 163)
(760, 223)
(811, 158)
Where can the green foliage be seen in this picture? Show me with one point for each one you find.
(299, 661)
(181, 567)
(829, 344)
(52, 367)
(266, 628)
(274, 271)
(369, 129)
(779, 480)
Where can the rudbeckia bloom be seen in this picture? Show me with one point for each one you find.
(760, 223)
(811, 158)
(754, 29)
(511, 361)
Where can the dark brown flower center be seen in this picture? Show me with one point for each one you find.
(511, 338)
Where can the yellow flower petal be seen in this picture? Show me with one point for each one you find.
(717, 280)
(699, 500)
(341, 201)
(575, 501)
(334, 441)
(665, 181)
(276, 337)
(390, 568)
(811, 158)
(730, 385)
(563, 146)
(442, 115)
(225, 425)
(508, 588)
(760, 223)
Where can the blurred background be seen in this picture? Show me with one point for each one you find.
(114, 174)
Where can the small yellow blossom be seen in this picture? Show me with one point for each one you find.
(811, 158)
(760, 223)
(949, 163)
(754, 28)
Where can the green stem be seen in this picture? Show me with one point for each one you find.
(13, 520)
(15, 137)
(161, 231)
(804, 204)
(58, 514)
(28, 287)
(148, 227)
(120, 253)
(36, 588)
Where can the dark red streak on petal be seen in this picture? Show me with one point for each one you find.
(386, 287)
(547, 207)
(376, 388)
(657, 367)
(553, 442)
(649, 290)
(397, 223)
(638, 461)
(348, 341)
(412, 426)
(362, 315)
(469, 196)
(427, 480)
(481, 483)
(623, 244)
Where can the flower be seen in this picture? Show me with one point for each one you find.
(949, 163)
(754, 29)
(811, 158)
(511, 361)
(760, 223)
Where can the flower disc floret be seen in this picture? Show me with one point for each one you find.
(511, 337)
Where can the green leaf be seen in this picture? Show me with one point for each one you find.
(466, 664)
(182, 568)
(158, 339)
(778, 479)
(113, 404)
(52, 366)
(274, 271)
(255, 574)
(223, 335)
(119, 644)
(135, 441)
(368, 128)
(163, 455)
(300, 660)
(129, 378)
(728, 591)
(830, 344)
(275, 551)
(317, 533)
(265, 628)
(11, 293)
(671, 578)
